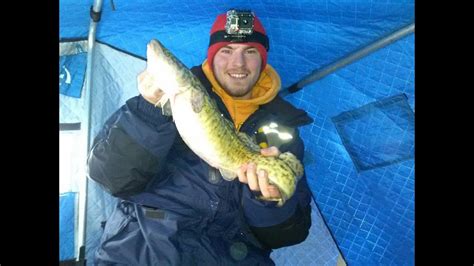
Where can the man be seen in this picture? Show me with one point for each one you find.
(175, 209)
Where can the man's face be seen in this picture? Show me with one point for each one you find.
(237, 69)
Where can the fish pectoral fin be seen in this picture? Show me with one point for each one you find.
(164, 104)
(166, 109)
(228, 175)
(295, 165)
(248, 141)
(197, 100)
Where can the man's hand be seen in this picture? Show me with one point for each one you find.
(247, 174)
(146, 82)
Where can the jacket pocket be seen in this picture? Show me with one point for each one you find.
(119, 228)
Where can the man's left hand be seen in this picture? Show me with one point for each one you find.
(258, 182)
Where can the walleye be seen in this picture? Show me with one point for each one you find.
(205, 130)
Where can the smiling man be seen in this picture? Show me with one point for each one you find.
(174, 208)
(237, 68)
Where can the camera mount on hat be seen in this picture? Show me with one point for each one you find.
(241, 26)
(239, 23)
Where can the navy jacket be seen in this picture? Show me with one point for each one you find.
(177, 210)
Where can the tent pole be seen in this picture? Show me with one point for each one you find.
(328, 69)
(95, 14)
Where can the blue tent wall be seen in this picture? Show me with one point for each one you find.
(304, 35)
(74, 19)
(66, 225)
(369, 213)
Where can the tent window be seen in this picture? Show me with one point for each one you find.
(378, 134)
(72, 69)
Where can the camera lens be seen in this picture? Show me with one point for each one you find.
(245, 22)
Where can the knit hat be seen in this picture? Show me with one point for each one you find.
(219, 39)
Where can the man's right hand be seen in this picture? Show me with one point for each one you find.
(145, 80)
(147, 88)
(258, 181)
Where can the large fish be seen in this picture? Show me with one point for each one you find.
(205, 130)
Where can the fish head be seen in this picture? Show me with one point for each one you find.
(170, 74)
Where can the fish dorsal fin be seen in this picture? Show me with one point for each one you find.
(248, 141)
(290, 159)
(227, 122)
(228, 175)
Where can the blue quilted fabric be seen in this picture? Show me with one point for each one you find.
(67, 207)
(370, 213)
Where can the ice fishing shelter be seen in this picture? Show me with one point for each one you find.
(354, 63)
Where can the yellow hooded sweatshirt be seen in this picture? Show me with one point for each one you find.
(264, 91)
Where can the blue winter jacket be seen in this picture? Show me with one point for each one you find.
(175, 209)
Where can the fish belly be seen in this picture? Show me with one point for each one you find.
(193, 132)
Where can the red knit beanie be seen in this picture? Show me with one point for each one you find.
(217, 42)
